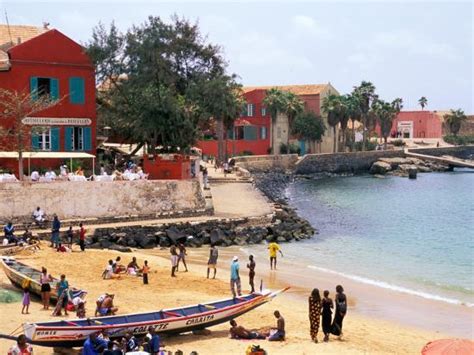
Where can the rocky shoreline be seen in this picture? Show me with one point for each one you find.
(403, 166)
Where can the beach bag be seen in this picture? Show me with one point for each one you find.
(255, 350)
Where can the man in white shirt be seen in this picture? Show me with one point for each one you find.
(39, 216)
(35, 176)
(50, 175)
(63, 171)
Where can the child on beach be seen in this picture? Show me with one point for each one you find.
(26, 301)
(145, 271)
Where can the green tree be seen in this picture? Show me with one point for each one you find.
(365, 94)
(292, 107)
(149, 78)
(274, 102)
(335, 108)
(423, 101)
(454, 120)
(307, 126)
(385, 113)
(14, 107)
(354, 112)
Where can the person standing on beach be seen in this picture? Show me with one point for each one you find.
(273, 248)
(341, 310)
(55, 232)
(145, 271)
(26, 301)
(82, 237)
(314, 314)
(235, 277)
(182, 256)
(70, 236)
(45, 280)
(174, 260)
(251, 266)
(326, 305)
(62, 288)
(212, 262)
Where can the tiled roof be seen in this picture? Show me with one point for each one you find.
(4, 62)
(12, 35)
(295, 89)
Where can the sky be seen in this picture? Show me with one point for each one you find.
(407, 49)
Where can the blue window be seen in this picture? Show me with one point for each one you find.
(45, 138)
(250, 133)
(76, 91)
(40, 86)
(78, 138)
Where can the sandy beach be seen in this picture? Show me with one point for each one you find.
(361, 334)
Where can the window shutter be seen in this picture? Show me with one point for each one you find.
(86, 134)
(254, 108)
(68, 139)
(55, 139)
(34, 87)
(76, 91)
(54, 89)
(34, 141)
(244, 111)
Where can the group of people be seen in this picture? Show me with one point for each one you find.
(271, 334)
(50, 174)
(10, 238)
(321, 309)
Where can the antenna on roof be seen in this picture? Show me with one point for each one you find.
(8, 26)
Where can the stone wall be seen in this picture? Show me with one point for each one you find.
(342, 162)
(264, 163)
(100, 199)
(462, 152)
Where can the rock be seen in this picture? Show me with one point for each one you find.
(120, 248)
(407, 167)
(131, 242)
(281, 240)
(145, 241)
(164, 242)
(380, 168)
(106, 244)
(412, 173)
(175, 235)
(94, 246)
(217, 236)
(378, 176)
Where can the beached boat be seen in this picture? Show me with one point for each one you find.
(71, 333)
(22, 275)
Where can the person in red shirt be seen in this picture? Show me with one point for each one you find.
(21, 347)
(82, 237)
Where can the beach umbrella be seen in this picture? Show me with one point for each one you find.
(449, 347)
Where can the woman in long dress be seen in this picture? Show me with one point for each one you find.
(326, 305)
(341, 310)
(314, 314)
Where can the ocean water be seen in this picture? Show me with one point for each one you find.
(409, 236)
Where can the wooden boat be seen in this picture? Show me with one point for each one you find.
(71, 333)
(16, 249)
(22, 275)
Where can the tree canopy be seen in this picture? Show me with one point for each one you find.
(160, 82)
(454, 120)
(309, 127)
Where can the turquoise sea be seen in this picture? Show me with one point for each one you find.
(410, 236)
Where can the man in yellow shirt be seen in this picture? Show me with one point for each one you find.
(274, 248)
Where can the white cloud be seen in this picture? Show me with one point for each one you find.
(308, 25)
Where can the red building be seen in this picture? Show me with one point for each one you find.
(44, 61)
(416, 124)
(252, 130)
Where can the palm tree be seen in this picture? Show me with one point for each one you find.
(454, 120)
(275, 103)
(292, 107)
(345, 115)
(354, 113)
(333, 107)
(366, 96)
(385, 113)
(423, 101)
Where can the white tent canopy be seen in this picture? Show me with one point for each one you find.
(48, 155)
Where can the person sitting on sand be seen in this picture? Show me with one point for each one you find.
(239, 332)
(117, 267)
(278, 333)
(62, 249)
(81, 309)
(94, 345)
(107, 306)
(109, 272)
(39, 216)
(21, 347)
(133, 267)
(99, 301)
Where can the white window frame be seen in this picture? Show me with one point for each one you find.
(263, 111)
(80, 146)
(250, 110)
(263, 130)
(44, 138)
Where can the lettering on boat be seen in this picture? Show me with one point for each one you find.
(147, 328)
(46, 332)
(200, 320)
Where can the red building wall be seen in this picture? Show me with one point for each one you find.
(259, 146)
(426, 124)
(52, 55)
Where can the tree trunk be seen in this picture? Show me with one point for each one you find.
(20, 154)
(220, 141)
(353, 136)
(385, 142)
(334, 147)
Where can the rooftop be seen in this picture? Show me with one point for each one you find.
(312, 89)
(12, 35)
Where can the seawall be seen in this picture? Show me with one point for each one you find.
(100, 199)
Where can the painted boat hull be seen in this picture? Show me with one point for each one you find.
(53, 335)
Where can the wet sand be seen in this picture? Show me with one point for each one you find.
(83, 270)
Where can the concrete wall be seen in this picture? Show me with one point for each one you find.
(100, 199)
(463, 152)
(262, 163)
(342, 162)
